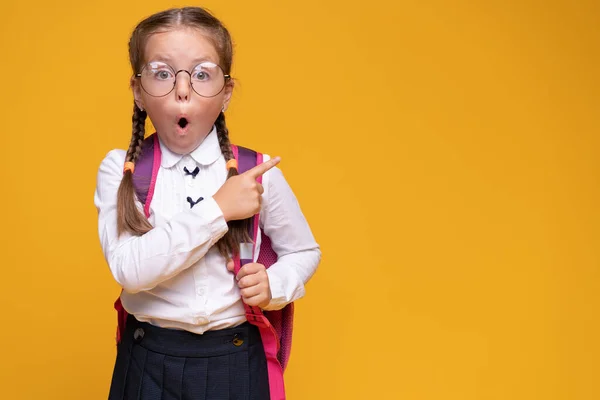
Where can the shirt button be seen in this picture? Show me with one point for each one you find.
(138, 335)
(200, 292)
(237, 340)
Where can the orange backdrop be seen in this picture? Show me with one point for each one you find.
(443, 152)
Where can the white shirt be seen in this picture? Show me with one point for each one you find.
(172, 276)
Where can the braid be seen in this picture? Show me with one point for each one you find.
(138, 133)
(129, 217)
(238, 229)
(224, 143)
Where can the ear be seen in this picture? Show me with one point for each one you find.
(228, 92)
(137, 92)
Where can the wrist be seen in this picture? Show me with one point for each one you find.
(222, 207)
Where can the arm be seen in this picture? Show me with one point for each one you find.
(291, 238)
(142, 262)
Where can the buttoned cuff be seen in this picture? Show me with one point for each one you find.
(279, 297)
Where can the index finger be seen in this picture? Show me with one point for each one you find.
(264, 167)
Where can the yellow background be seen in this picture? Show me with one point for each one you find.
(443, 152)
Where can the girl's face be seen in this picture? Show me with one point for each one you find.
(181, 49)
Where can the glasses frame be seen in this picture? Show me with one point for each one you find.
(226, 77)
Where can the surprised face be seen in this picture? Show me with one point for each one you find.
(182, 57)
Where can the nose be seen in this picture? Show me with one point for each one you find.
(182, 86)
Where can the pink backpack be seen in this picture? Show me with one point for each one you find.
(275, 326)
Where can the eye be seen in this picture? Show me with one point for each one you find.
(162, 74)
(158, 71)
(205, 72)
(201, 75)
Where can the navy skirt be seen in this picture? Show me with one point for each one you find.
(164, 364)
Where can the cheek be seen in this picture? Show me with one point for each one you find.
(208, 109)
(156, 112)
(152, 104)
(211, 105)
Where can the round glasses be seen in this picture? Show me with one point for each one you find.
(158, 79)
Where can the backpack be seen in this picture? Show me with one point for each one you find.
(275, 326)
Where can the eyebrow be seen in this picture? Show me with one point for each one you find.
(166, 58)
(198, 60)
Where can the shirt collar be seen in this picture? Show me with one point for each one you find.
(205, 154)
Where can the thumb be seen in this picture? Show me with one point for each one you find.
(230, 265)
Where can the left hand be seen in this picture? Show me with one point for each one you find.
(253, 282)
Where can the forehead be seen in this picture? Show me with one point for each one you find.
(180, 47)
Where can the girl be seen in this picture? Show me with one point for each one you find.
(186, 334)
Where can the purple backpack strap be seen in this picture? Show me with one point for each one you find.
(146, 170)
(275, 326)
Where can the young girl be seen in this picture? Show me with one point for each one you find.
(186, 334)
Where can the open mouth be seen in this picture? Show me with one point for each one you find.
(183, 123)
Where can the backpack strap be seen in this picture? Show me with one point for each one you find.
(144, 182)
(282, 320)
(248, 159)
(146, 170)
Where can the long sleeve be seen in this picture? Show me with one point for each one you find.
(140, 263)
(292, 240)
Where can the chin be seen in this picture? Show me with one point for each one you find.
(183, 143)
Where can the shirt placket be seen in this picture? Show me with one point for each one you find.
(193, 190)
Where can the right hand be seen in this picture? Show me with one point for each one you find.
(240, 195)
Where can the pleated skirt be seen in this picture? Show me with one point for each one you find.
(155, 363)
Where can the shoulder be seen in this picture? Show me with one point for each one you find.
(111, 167)
(113, 159)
